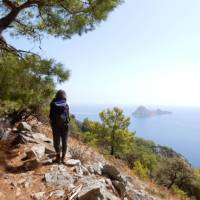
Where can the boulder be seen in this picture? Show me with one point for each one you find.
(73, 162)
(39, 150)
(95, 190)
(24, 138)
(120, 187)
(23, 126)
(41, 137)
(95, 168)
(59, 177)
(37, 138)
(112, 173)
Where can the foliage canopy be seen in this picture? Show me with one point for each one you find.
(28, 83)
(111, 134)
(59, 18)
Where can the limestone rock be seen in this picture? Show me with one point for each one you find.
(73, 162)
(39, 150)
(60, 177)
(36, 138)
(23, 126)
(95, 190)
(97, 166)
(41, 137)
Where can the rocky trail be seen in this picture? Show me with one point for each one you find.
(27, 170)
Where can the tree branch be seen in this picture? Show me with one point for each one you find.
(6, 48)
(15, 9)
(8, 19)
(9, 4)
(30, 3)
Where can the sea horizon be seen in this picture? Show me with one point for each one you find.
(178, 130)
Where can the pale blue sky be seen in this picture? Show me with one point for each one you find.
(147, 52)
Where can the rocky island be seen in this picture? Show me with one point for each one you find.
(143, 112)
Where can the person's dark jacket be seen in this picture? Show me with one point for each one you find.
(52, 114)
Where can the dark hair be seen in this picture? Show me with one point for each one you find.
(61, 94)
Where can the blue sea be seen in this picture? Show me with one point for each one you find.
(180, 130)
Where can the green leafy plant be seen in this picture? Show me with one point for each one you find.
(28, 85)
(140, 170)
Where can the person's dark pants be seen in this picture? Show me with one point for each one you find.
(60, 133)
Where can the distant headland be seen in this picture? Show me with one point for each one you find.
(143, 112)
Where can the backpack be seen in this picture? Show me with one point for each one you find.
(61, 113)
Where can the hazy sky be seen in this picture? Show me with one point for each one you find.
(147, 52)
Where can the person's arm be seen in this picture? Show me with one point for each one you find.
(68, 116)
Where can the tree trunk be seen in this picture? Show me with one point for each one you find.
(112, 152)
(6, 21)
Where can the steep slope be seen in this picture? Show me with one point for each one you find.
(27, 171)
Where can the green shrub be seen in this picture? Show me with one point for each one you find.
(74, 127)
(140, 170)
(180, 193)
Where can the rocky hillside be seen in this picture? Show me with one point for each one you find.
(27, 170)
(166, 152)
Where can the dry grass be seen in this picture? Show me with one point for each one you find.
(79, 151)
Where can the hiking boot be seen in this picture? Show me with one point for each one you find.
(57, 160)
(63, 159)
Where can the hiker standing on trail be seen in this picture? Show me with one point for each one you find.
(59, 119)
